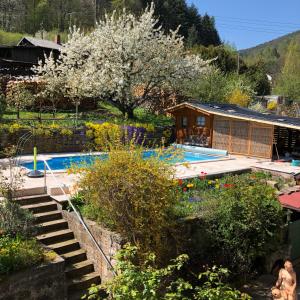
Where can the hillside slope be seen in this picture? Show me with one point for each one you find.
(272, 52)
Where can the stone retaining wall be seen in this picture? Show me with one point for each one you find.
(44, 282)
(109, 241)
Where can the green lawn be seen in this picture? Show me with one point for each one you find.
(104, 112)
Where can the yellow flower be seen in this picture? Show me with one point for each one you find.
(217, 186)
(217, 180)
(209, 182)
(190, 185)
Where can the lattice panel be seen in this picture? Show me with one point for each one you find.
(239, 137)
(221, 133)
(261, 141)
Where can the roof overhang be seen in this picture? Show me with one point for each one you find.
(291, 201)
(229, 115)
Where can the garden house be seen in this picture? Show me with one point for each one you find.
(18, 60)
(235, 129)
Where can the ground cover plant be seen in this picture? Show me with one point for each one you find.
(18, 248)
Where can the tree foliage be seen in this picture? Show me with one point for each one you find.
(19, 97)
(52, 15)
(122, 61)
(218, 87)
(288, 83)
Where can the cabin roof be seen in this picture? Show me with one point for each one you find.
(39, 43)
(237, 112)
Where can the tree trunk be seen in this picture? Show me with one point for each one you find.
(130, 114)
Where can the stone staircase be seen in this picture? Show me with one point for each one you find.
(55, 234)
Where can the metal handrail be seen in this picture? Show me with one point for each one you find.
(81, 219)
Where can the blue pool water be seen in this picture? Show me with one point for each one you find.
(62, 163)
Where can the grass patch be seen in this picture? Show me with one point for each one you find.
(104, 112)
(10, 38)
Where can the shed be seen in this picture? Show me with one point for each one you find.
(236, 129)
(18, 60)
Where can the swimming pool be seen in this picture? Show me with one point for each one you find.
(65, 162)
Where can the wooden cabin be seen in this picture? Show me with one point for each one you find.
(18, 60)
(235, 129)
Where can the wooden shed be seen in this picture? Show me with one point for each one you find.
(235, 129)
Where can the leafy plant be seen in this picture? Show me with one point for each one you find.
(17, 253)
(132, 195)
(244, 222)
(145, 281)
(18, 96)
(16, 221)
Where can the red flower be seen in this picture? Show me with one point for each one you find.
(228, 185)
(184, 189)
(180, 182)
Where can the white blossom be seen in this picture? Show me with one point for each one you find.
(123, 54)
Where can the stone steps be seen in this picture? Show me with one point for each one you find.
(41, 207)
(65, 247)
(27, 200)
(53, 225)
(74, 256)
(83, 282)
(55, 234)
(48, 216)
(79, 269)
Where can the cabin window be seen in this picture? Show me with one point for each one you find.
(200, 121)
(184, 122)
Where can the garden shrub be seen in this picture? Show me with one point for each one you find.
(16, 221)
(19, 96)
(245, 221)
(107, 135)
(131, 195)
(18, 253)
(145, 281)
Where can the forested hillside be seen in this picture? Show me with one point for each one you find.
(44, 16)
(273, 53)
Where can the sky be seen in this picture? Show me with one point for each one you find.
(247, 23)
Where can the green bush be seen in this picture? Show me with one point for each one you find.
(145, 281)
(18, 253)
(16, 221)
(132, 196)
(245, 222)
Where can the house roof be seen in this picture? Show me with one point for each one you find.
(40, 43)
(234, 111)
(290, 200)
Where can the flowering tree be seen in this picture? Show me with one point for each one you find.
(123, 60)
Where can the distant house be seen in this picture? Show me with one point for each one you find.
(278, 99)
(235, 129)
(18, 60)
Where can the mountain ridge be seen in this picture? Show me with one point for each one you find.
(272, 53)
